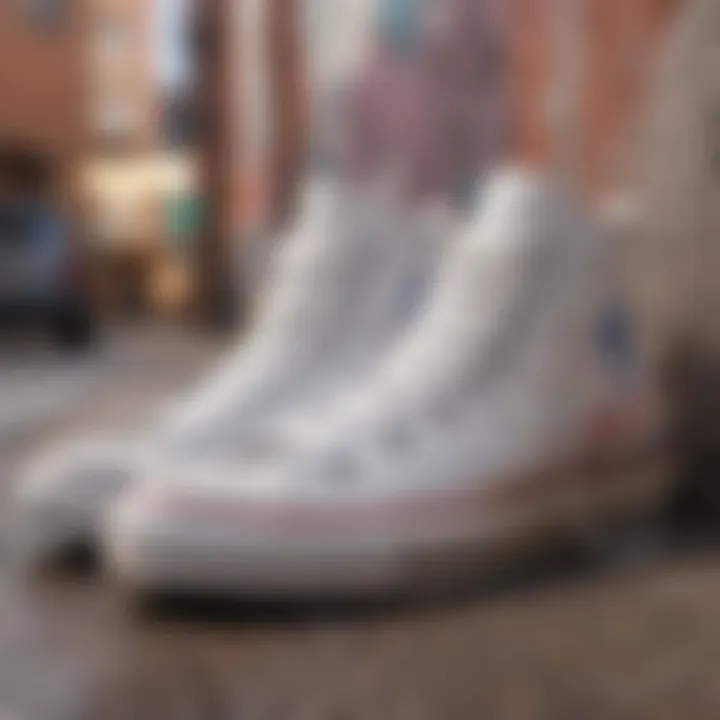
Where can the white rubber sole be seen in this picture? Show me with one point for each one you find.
(433, 552)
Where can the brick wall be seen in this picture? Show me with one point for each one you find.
(619, 44)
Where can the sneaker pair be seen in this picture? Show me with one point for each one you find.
(354, 269)
(359, 445)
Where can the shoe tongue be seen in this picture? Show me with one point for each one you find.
(522, 211)
(511, 254)
(344, 244)
(522, 228)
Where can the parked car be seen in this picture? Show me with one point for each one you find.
(43, 279)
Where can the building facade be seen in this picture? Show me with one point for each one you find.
(43, 91)
(82, 108)
(81, 80)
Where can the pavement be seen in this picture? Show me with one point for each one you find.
(621, 641)
(33, 392)
(127, 374)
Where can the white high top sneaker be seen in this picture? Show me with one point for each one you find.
(483, 426)
(352, 275)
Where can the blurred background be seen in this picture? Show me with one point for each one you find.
(170, 134)
(149, 152)
(165, 133)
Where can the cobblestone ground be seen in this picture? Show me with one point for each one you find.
(631, 643)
